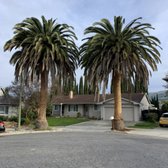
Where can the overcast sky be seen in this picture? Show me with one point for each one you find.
(81, 14)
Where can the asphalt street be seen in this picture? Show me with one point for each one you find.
(82, 150)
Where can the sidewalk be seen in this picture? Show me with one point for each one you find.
(156, 132)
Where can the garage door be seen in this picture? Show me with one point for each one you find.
(108, 112)
(128, 114)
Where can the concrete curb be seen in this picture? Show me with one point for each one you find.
(150, 132)
(22, 131)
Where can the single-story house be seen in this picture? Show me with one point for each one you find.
(8, 106)
(87, 106)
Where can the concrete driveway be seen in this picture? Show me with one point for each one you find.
(90, 126)
(105, 126)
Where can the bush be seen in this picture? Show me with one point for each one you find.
(78, 115)
(49, 110)
(93, 118)
(165, 107)
(152, 117)
(27, 121)
(22, 121)
(13, 118)
(31, 115)
(3, 118)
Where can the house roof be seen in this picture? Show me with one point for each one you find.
(8, 100)
(90, 99)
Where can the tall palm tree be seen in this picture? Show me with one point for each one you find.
(42, 49)
(117, 51)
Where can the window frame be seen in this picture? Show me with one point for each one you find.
(96, 107)
(56, 107)
(73, 108)
(5, 109)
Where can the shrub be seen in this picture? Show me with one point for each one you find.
(78, 115)
(27, 121)
(165, 107)
(13, 118)
(152, 117)
(49, 110)
(93, 118)
(30, 114)
(3, 118)
(22, 121)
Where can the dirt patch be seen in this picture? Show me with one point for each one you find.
(9, 124)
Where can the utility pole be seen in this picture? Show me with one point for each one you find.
(20, 101)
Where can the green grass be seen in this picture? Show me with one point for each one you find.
(53, 121)
(145, 125)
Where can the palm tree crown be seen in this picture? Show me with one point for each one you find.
(46, 46)
(129, 50)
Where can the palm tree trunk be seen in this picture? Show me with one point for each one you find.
(118, 123)
(42, 121)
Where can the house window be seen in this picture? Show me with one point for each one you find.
(96, 107)
(56, 108)
(3, 110)
(73, 108)
(6, 110)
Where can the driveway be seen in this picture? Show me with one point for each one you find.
(90, 126)
(105, 126)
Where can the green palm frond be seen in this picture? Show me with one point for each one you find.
(129, 49)
(43, 46)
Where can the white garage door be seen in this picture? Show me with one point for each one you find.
(108, 112)
(127, 112)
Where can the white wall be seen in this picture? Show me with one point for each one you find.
(73, 113)
(137, 113)
(12, 111)
(144, 103)
(93, 113)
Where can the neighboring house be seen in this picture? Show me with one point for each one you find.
(132, 105)
(8, 106)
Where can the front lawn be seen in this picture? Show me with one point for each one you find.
(145, 125)
(64, 121)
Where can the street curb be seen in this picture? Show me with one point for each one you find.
(15, 132)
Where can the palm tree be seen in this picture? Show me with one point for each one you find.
(117, 51)
(42, 49)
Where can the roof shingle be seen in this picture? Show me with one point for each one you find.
(90, 99)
